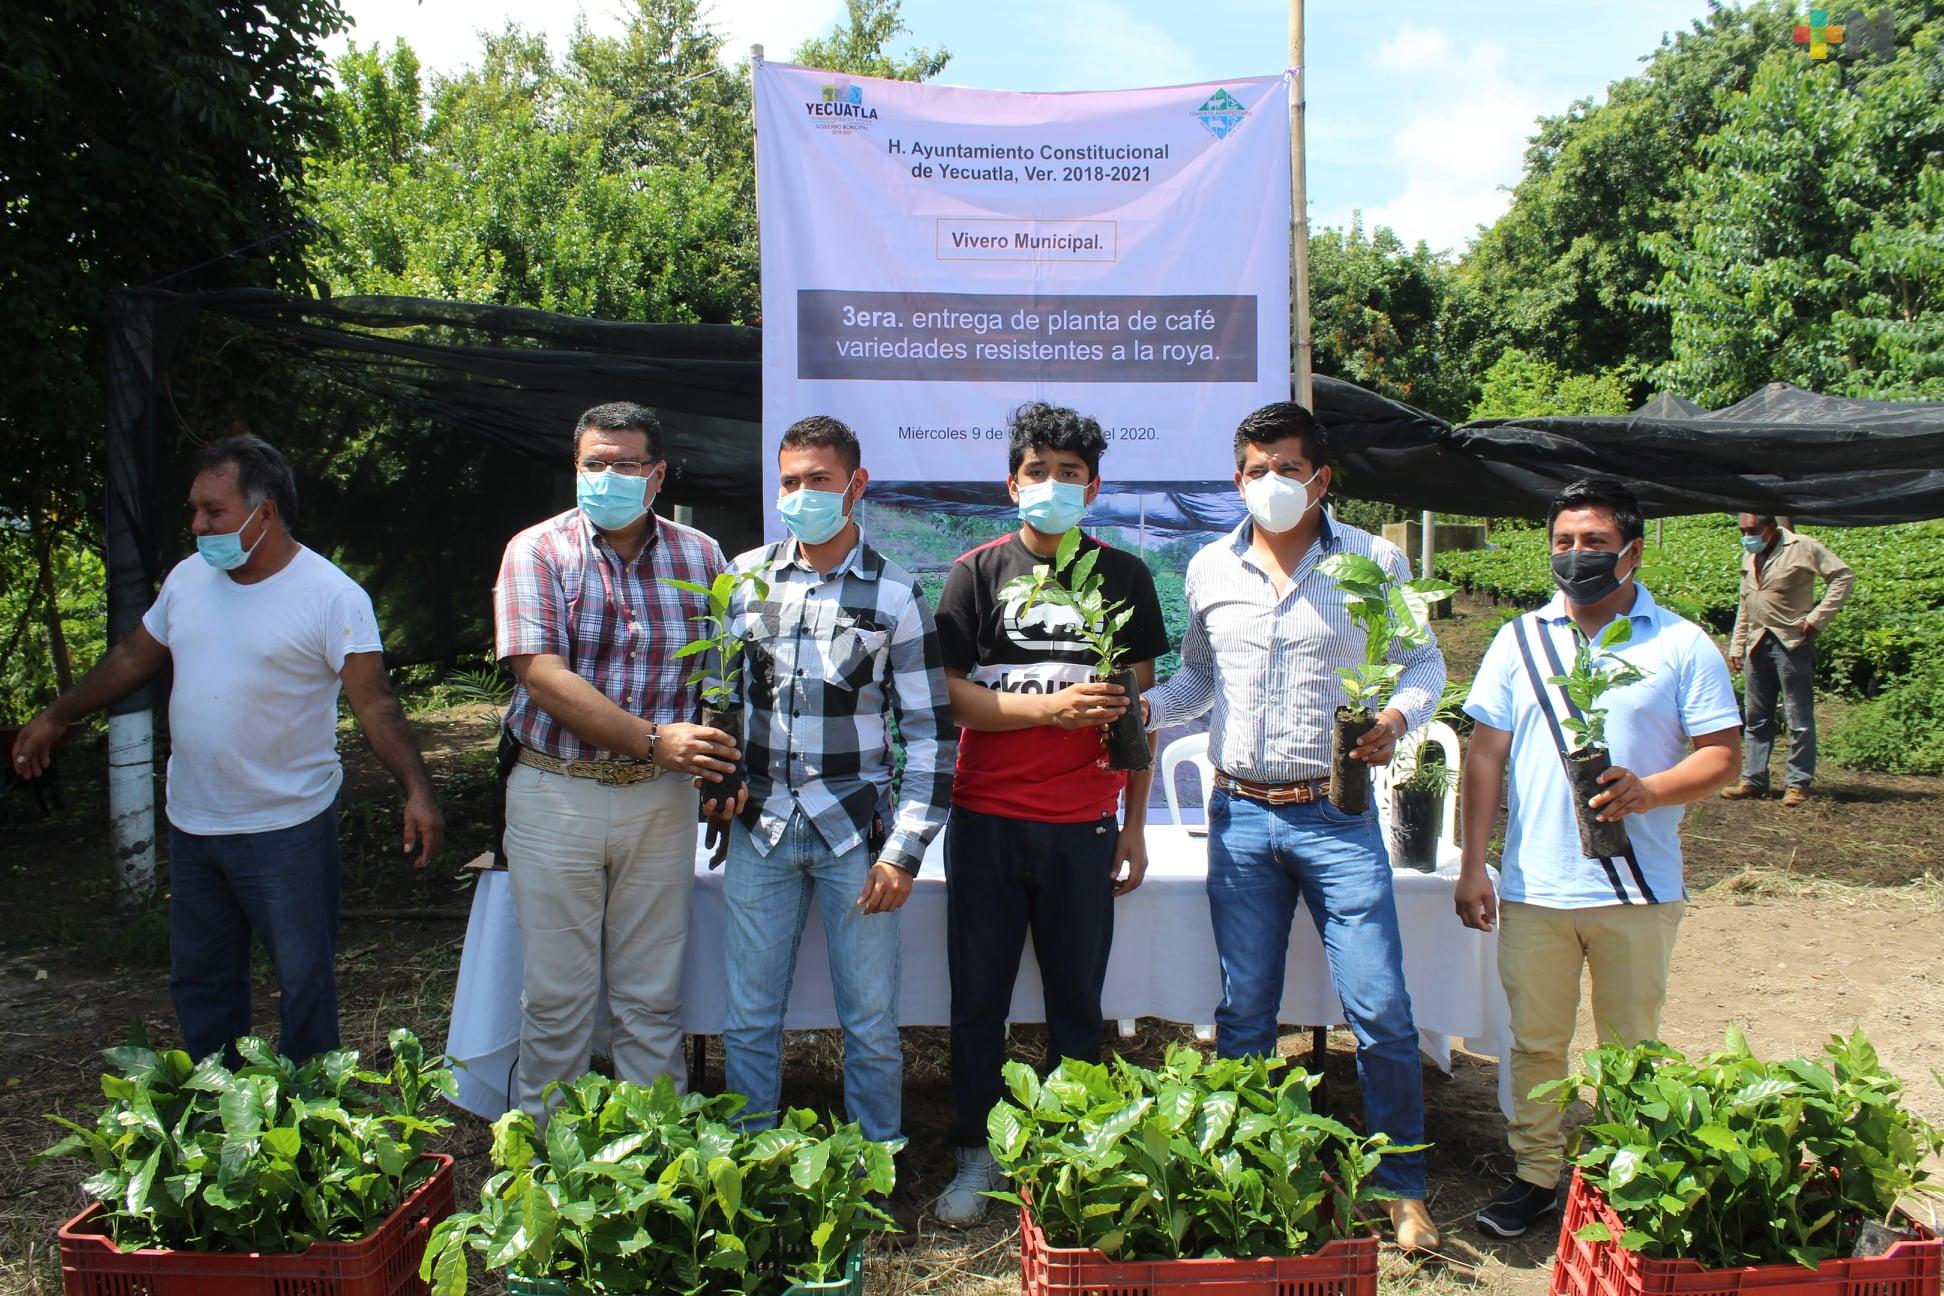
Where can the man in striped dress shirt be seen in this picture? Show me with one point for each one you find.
(842, 639)
(600, 837)
(1556, 909)
(1266, 632)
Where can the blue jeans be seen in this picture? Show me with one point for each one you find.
(281, 887)
(766, 900)
(1261, 860)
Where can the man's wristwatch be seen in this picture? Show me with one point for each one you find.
(654, 732)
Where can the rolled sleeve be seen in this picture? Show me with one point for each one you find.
(922, 706)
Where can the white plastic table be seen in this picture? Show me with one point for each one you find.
(1163, 965)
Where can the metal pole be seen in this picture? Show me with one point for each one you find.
(1299, 214)
(129, 448)
(1427, 544)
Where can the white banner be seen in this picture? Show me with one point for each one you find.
(932, 256)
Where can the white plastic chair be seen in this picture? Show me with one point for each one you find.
(1191, 749)
(1409, 748)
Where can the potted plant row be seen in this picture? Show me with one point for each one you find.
(1389, 612)
(272, 1177)
(640, 1189)
(1736, 1175)
(1200, 1171)
(1070, 582)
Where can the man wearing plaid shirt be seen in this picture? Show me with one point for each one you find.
(600, 840)
(841, 637)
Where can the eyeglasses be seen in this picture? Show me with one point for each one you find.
(626, 467)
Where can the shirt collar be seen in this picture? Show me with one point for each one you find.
(590, 535)
(1244, 535)
(1644, 608)
(862, 561)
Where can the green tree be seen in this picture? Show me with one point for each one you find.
(1560, 273)
(140, 143)
(1803, 249)
(858, 45)
(1377, 316)
(1522, 385)
(616, 182)
(523, 182)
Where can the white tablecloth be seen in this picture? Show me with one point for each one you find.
(1163, 965)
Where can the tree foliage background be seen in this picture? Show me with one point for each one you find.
(1734, 213)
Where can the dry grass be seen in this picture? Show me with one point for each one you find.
(1783, 881)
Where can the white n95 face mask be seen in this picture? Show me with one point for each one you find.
(1276, 502)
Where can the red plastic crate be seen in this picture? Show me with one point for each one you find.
(1346, 1267)
(385, 1263)
(1608, 1269)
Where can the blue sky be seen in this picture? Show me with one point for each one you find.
(1418, 111)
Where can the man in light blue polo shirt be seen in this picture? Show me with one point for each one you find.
(1675, 737)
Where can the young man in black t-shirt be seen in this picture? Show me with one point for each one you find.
(1033, 840)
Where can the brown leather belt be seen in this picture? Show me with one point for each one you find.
(613, 773)
(1275, 794)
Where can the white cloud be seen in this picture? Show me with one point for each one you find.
(779, 26)
(1461, 126)
(1413, 49)
(1096, 45)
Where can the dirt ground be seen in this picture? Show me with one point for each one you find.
(1803, 922)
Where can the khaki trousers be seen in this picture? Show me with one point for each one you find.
(601, 879)
(1540, 953)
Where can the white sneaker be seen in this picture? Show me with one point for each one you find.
(961, 1204)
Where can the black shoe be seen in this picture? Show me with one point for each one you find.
(1517, 1208)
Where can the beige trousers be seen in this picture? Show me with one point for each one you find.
(1540, 952)
(601, 879)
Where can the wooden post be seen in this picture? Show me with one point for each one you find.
(1299, 217)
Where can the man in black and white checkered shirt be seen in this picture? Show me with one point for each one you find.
(842, 639)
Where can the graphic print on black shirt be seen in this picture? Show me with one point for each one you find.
(1044, 773)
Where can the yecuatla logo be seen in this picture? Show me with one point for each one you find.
(841, 106)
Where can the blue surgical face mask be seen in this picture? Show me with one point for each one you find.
(611, 501)
(814, 516)
(225, 552)
(1752, 543)
(1052, 507)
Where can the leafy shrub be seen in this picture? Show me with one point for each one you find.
(637, 1189)
(273, 1157)
(1900, 731)
(1736, 1161)
(1894, 616)
(1202, 1157)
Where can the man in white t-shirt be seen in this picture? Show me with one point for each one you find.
(1674, 736)
(262, 633)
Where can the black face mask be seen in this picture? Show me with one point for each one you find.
(1586, 575)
